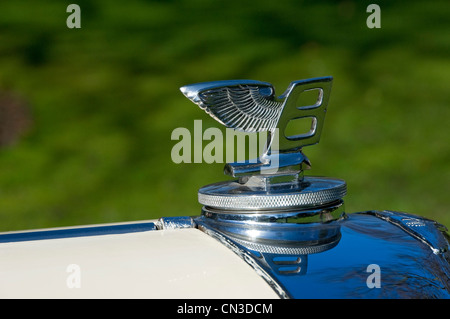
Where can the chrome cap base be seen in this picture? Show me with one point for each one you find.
(283, 218)
(256, 195)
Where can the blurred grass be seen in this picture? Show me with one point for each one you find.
(105, 100)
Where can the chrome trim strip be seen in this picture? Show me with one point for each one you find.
(77, 232)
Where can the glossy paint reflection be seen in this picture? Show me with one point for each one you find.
(410, 252)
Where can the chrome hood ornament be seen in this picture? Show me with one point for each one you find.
(251, 106)
(271, 210)
(275, 180)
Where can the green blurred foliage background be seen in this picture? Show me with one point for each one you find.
(104, 99)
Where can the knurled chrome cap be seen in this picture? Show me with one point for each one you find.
(310, 192)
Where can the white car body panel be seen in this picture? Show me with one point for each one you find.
(178, 263)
